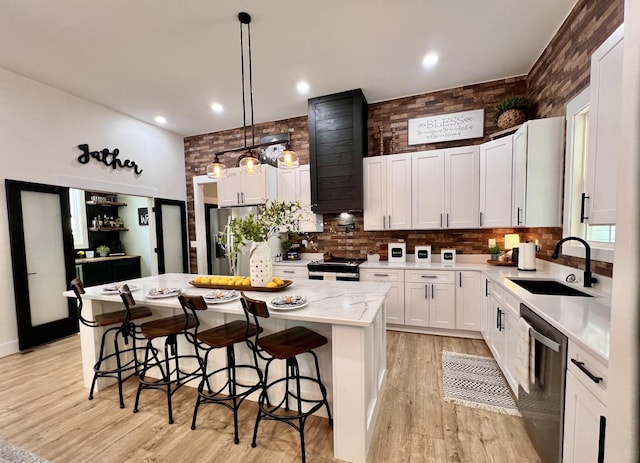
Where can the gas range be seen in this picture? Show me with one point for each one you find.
(337, 268)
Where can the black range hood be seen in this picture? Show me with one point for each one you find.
(337, 145)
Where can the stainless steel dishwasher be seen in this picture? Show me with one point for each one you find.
(543, 407)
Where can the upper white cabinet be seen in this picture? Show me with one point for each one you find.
(496, 159)
(295, 185)
(387, 192)
(445, 188)
(537, 173)
(604, 131)
(240, 189)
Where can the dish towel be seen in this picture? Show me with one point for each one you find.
(524, 352)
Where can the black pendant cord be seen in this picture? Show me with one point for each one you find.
(253, 137)
(244, 112)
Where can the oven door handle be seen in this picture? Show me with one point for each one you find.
(551, 344)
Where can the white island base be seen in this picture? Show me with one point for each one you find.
(353, 363)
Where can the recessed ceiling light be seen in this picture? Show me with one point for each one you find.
(430, 60)
(303, 87)
(160, 119)
(217, 108)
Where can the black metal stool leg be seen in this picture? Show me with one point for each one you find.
(119, 365)
(166, 376)
(141, 376)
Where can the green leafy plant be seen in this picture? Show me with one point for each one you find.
(272, 218)
(103, 249)
(512, 102)
(495, 249)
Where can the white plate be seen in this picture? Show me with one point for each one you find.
(280, 302)
(115, 288)
(157, 293)
(220, 296)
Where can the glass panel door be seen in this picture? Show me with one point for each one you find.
(171, 231)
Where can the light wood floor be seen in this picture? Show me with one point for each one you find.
(44, 408)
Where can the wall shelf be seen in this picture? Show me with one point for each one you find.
(107, 229)
(105, 203)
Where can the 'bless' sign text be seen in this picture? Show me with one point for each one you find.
(447, 127)
(109, 159)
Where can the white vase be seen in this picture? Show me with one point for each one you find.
(260, 264)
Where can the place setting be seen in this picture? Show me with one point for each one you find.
(221, 296)
(159, 293)
(115, 288)
(288, 302)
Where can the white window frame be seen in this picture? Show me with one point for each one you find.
(571, 227)
(78, 219)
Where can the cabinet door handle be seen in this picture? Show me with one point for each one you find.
(460, 279)
(497, 318)
(592, 377)
(486, 288)
(582, 208)
(440, 220)
(603, 429)
(384, 222)
(426, 291)
(380, 274)
(480, 221)
(518, 218)
(238, 198)
(288, 271)
(433, 296)
(447, 220)
(242, 195)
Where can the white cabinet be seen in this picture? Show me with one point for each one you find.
(538, 148)
(240, 189)
(291, 272)
(445, 188)
(468, 311)
(430, 298)
(295, 185)
(395, 298)
(387, 192)
(496, 159)
(604, 131)
(585, 416)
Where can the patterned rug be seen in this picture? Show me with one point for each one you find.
(476, 382)
(9, 453)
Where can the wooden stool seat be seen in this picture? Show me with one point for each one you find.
(227, 334)
(291, 342)
(118, 317)
(167, 326)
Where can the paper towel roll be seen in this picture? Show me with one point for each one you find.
(527, 256)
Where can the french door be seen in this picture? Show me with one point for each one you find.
(171, 235)
(43, 261)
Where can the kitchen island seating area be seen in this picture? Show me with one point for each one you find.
(121, 330)
(342, 325)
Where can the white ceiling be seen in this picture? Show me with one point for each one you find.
(150, 57)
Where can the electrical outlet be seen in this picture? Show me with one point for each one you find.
(492, 242)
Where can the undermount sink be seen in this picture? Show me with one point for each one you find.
(548, 287)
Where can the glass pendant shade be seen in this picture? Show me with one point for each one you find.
(288, 159)
(216, 169)
(249, 164)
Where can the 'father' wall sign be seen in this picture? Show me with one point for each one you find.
(109, 159)
(446, 127)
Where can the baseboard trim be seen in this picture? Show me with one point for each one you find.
(435, 331)
(9, 348)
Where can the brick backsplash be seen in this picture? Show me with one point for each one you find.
(559, 74)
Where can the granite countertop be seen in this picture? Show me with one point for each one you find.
(89, 260)
(330, 302)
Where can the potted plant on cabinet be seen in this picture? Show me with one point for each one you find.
(495, 252)
(103, 250)
(512, 111)
(272, 218)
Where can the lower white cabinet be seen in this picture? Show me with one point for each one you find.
(291, 272)
(395, 299)
(585, 415)
(468, 311)
(430, 299)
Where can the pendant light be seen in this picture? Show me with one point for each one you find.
(249, 163)
(216, 169)
(288, 159)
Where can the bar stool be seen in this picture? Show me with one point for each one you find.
(121, 328)
(224, 336)
(285, 345)
(168, 328)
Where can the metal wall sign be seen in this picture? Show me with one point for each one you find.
(447, 127)
(109, 159)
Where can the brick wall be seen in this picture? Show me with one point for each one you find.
(561, 71)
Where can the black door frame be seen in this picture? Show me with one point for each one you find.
(158, 202)
(28, 335)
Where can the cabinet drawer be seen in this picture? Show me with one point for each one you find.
(504, 298)
(289, 272)
(590, 366)
(382, 275)
(429, 276)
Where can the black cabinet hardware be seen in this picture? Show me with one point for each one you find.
(592, 377)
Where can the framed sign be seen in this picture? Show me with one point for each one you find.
(143, 216)
(446, 127)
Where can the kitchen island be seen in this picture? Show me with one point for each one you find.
(350, 314)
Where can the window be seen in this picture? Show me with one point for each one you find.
(78, 219)
(600, 237)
